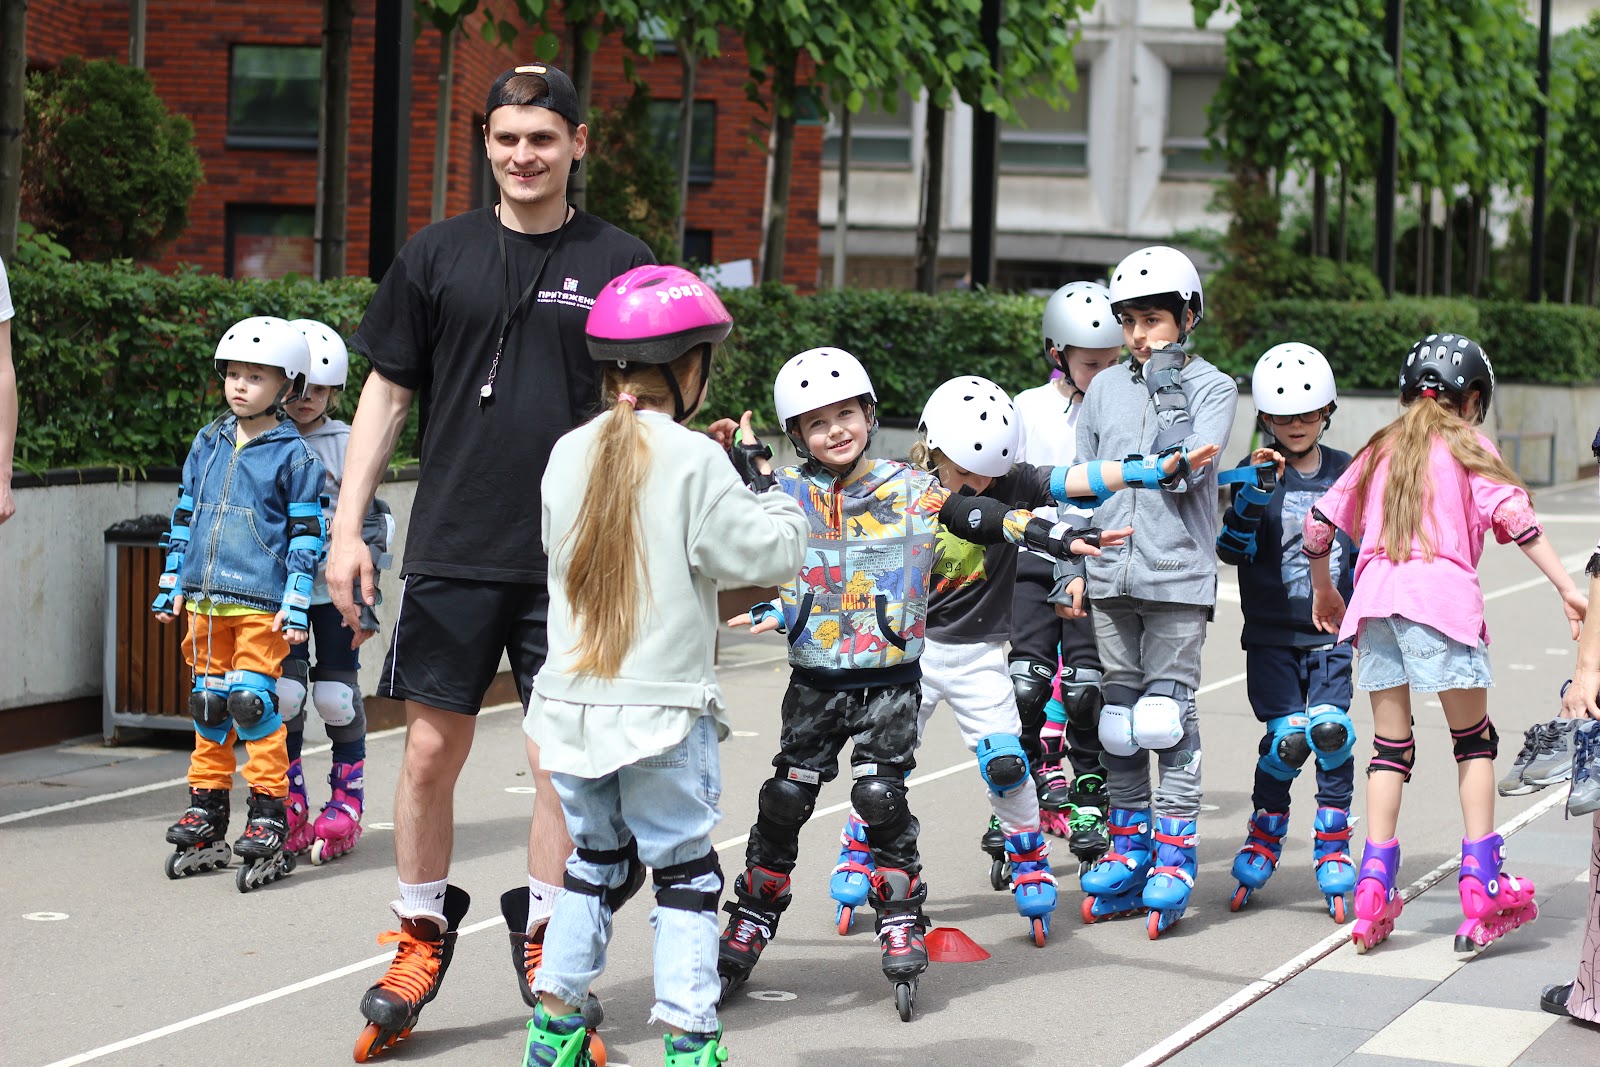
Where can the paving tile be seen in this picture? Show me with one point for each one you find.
(1409, 952)
(1565, 1044)
(1368, 1002)
(1363, 1059)
(1245, 1037)
(1460, 1034)
(1510, 972)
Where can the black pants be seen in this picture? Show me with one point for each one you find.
(816, 724)
(1039, 634)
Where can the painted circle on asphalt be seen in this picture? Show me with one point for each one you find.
(771, 994)
(521, 789)
(45, 916)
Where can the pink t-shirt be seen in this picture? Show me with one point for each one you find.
(1442, 592)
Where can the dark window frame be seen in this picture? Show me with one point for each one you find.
(230, 215)
(281, 138)
(705, 173)
(1191, 147)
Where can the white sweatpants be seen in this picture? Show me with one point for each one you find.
(973, 679)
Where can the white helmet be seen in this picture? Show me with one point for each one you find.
(1156, 270)
(971, 420)
(1291, 379)
(1079, 315)
(330, 359)
(271, 342)
(816, 378)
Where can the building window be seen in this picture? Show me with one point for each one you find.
(878, 138)
(269, 241)
(697, 247)
(1186, 144)
(664, 133)
(1048, 140)
(274, 96)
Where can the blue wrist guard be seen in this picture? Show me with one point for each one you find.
(296, 599)
(767, 610)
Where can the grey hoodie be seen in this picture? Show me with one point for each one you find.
(1171, 556)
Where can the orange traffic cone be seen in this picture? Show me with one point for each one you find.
(946, 944)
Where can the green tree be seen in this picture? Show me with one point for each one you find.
(1575, 144)
(107, 169)
(631, 184)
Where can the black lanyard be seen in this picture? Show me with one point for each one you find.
(508, 311)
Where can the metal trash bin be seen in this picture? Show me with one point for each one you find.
(146, 682)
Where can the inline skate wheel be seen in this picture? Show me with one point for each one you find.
(370, 1042)
(597, 1049)
(1088, 910)
(1240, 896)
(999, 877)
(172, 866)
(903, 1000)
(1153, 925)
(847, 916)
(1039, 935)
(243, 880)
(318, 852)
(1336, 908)
(1361, 945)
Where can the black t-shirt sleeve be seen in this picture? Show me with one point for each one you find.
(396, 333)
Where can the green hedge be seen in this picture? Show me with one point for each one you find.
(114, 361)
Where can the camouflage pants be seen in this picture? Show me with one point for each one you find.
(816, 724)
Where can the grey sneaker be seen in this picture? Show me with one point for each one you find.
(1585, 795)
(1552, 757)
(1512, 784)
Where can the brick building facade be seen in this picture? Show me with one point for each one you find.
(254, 210)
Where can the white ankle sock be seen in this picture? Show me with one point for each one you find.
(541, 902)
(422, 899)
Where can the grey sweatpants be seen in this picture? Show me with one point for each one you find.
(1144, 641)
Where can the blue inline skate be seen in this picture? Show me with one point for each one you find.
(1336, 871)
(1115, 884)
(852, 878)
(1166, 894)
(1263, 847)
(1031, 881)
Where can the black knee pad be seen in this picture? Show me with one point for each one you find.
(1476, 742)
(208, 707)
(881, 802)
(1398, 756)
(613, 897)
(672, 884)
(786, 802)
(1081, 696)
(1031, 681)
(246, 707)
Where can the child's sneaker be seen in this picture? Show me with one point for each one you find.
(1512, 784)
(1552, 758)
(1585, 795)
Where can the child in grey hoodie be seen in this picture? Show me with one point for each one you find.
(1154, 594)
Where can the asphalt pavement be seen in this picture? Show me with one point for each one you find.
(110, 962)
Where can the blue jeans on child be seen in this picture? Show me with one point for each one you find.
(668, 803)
(1396, 651)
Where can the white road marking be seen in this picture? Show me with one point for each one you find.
(1273, 979)
(46, 916)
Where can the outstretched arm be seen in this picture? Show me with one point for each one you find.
(985, 521)
(1091, 483)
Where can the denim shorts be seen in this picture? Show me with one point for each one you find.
(1395, 651)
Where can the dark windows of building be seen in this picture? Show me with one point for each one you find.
(1047, 140)
(274, 94)
(1186, 143)
(697, 247)
(664, 116)
(269, 241)
(878, 138)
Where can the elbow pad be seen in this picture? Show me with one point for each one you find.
(1318, 534)
(1515, 520)
(296, 599)
(1236, 541)
(1099, 492)
(1163, 377)
(308, 530)
(979, 519)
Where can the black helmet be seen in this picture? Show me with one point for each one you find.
(1449, 363)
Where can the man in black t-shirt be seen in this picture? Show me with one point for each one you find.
(481, 317)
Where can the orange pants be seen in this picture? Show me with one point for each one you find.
(215, 645)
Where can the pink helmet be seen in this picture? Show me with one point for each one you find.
(654, 314)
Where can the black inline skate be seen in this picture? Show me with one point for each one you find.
(261, 844)
(994, 843)
(200, 834)
(421, 957)
(760, 898)
(897, 897)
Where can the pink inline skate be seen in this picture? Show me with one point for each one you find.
(1378, 903)
(299, 809)
(1494, 903)
(338, 828)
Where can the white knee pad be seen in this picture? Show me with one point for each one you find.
(1157, 722)
(1116, 730)
(334, 701)
(291, 698)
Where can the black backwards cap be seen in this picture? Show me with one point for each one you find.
(559, 94)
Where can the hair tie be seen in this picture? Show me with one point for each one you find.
(1430, 392)
(628, 399)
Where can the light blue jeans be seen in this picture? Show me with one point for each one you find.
(668, 803)
(1395, 651)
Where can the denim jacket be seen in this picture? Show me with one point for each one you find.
(254, 516)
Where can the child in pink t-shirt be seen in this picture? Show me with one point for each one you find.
(1419, 498)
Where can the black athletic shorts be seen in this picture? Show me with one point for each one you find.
(449, 634)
